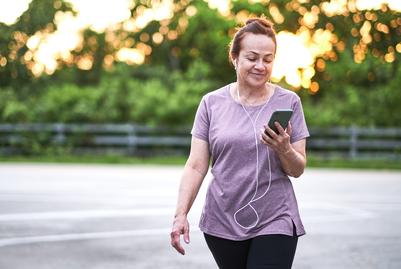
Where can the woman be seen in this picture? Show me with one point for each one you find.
(250, 218)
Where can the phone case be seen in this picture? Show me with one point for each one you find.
(282, 116)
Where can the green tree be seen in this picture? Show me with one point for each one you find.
(13, 40)
(187, 55)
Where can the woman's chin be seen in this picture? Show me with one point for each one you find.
(257, 84)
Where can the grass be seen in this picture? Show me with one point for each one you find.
(95, 159)
(360, 164)
(313, 161)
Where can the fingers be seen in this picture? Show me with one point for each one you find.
(175, 242)
(268, 134)
(180, 227)
(276, 140)
(289, 128)
(280, 129)
(186, 235)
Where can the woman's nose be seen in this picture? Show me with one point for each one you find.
(259, 64)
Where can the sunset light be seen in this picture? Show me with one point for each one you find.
(295, 57)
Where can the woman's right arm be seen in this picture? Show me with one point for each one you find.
(195, 171)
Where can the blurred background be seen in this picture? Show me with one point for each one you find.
(119, 81)
(124, 77)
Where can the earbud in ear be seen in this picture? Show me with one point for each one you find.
(235, 64)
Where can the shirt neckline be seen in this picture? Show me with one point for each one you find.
(250, 106)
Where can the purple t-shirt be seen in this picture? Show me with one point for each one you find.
(237, 206)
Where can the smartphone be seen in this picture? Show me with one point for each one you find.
(282, 116)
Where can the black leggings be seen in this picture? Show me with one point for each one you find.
(262, 252)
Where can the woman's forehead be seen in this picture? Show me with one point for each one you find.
(257, 43)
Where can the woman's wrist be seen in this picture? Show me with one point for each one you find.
(180, 215)
(292, 161)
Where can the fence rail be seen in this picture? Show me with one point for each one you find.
(140, 140)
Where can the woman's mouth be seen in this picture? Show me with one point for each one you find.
(260, 75)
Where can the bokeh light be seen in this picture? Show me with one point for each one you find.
(296, 54)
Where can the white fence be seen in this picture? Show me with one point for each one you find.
(132, 139)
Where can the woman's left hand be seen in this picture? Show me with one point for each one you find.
(279, 142)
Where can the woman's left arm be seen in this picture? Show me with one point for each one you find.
(292, 156)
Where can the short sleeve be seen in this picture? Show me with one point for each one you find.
(200, 128)
(298, 123)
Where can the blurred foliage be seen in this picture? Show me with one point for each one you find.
(350, 95)
(39, 17)
(142, 95)
(186, 56)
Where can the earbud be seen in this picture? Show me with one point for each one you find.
(235, 63)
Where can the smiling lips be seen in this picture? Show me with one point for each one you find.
(258, 74)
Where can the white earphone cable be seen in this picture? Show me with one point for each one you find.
(253, 199)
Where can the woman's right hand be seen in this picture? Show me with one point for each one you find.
(180, 227)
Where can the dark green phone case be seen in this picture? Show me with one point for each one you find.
(282, 116)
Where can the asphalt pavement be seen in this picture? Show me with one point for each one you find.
(55, 216)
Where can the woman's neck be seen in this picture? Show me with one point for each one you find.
(251, 96)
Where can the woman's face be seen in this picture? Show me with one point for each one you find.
(254, 63)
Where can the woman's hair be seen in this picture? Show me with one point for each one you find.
(261, 26)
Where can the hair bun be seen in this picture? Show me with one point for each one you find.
(257, 25)
(262, 21)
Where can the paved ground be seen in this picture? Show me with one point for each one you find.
(114, 217)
